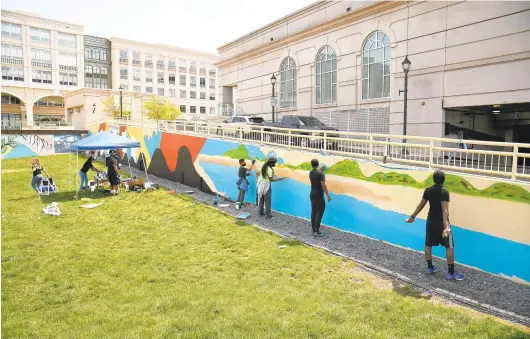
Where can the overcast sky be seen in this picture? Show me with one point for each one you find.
(195, 24)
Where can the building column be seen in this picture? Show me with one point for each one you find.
(29, 115)
(134, 115)
(234, 98)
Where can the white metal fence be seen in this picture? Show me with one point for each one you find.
(498, 159)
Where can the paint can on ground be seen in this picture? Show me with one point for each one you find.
(238, 205)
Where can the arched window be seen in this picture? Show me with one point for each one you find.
(288, 83)
(97, 77)
(103, 55)
(104, 77)
(88, 53)
(326, 73)
(376, 66)
(88, 76)
(96, 53)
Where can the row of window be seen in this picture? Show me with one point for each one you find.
(96, 77)
(38, 76)
(124, 75)
(161, 61)
(172, 92)
(193, 109)
(49, 101)
(95, 54)
(14, 31)
(39, 57)
(375, 73)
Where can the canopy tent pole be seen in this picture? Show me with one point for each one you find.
(69, 170)
(129, 163)
(145, 168)
(76, 176)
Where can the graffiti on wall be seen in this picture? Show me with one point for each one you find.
(367, 199)
(28, 145)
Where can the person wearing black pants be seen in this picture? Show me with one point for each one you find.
(318, 188)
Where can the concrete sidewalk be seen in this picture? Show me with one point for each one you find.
(483, 291)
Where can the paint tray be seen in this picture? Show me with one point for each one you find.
(242, 216)
(223, 205)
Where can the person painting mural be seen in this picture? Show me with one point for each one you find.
(318, 188)
(242, 181)
(264, 187)
(438, 230)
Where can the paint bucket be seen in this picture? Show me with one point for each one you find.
(238, 205)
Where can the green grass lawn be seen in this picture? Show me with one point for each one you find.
(158, 265)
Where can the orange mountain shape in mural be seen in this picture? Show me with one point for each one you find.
(170, 145)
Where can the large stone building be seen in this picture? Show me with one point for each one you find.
(187, 78)
(98, 65)
(341, 61)
(41, 60)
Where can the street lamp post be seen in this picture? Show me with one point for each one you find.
(406, 67)
(121, 103)
(273, 82)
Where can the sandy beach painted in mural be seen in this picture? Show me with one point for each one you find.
(391, 197)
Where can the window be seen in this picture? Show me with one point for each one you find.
(183, 94)
(161, 92)
(41, 58)
(123, 74)
(212, 110)
(212, 72)
(212, 83)
(193, 109)
(68, 79)
(193, 67)
(202, 82)
(97, 77)
(136, 59)
(160, 62)
(40, 76)
(13, 53)
(148, 60)
(326, 76)
(288, 83)
(136, 74)
(193, 81)
(172, 93)
(171, 78)
(202, 70)
(182, 80)
(160, 77)
(88, 53)
(12, 73)
(10, 100)
(40, 35)
(124, 87)
(65, 39)
(137, 88)
(203, 95)
(96, 53)
(212, 96)
(104, 77)
(203, 110)
(124, 55)
(149, 89)
(172, 64)
(193, 95)
(50, 101)
(103, 55)
(376, 66)
(68, 61)
(182, 108)
(88, 76)
(10, 30)
(148, 76)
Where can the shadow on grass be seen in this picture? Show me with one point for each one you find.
(407, 290)
(289, 242)
(70, 196)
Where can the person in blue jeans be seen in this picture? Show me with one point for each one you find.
(36, 180)
(87, 166)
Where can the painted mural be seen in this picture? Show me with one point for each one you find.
(28, 145)
(489, 217)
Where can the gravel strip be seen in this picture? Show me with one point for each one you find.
(488, 293)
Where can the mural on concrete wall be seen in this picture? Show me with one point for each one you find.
(367, 199)
(28, 145)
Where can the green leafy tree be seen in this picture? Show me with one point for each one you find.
(113, 111)
(159, 109)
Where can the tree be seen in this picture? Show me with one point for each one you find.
(159, 109)
(113, 111)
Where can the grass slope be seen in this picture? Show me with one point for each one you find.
(157, 265)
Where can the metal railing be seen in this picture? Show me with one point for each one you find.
(41, 64)
(68, 68)
(12, 61)
(124, 61)
(498, 159)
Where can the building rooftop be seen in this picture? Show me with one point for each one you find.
(38, 17)
(163, 46)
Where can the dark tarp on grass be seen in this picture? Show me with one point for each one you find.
(102, 141)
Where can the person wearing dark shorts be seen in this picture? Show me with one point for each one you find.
(438, 231)
(112, 173)
(316, 196)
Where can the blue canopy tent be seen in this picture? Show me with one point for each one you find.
(103, 141)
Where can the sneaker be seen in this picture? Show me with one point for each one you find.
(456, 276)
(319, 234)
(432, 270)
(262, 215)
(269, 217)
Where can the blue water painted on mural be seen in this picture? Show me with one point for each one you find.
(153, 142)
(19, 151)
(471, 248)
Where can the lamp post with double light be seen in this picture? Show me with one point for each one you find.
(273, 97)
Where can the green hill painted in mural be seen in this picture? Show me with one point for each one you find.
(238, 153)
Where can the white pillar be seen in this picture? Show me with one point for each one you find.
(234, 98)
(29, 114)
